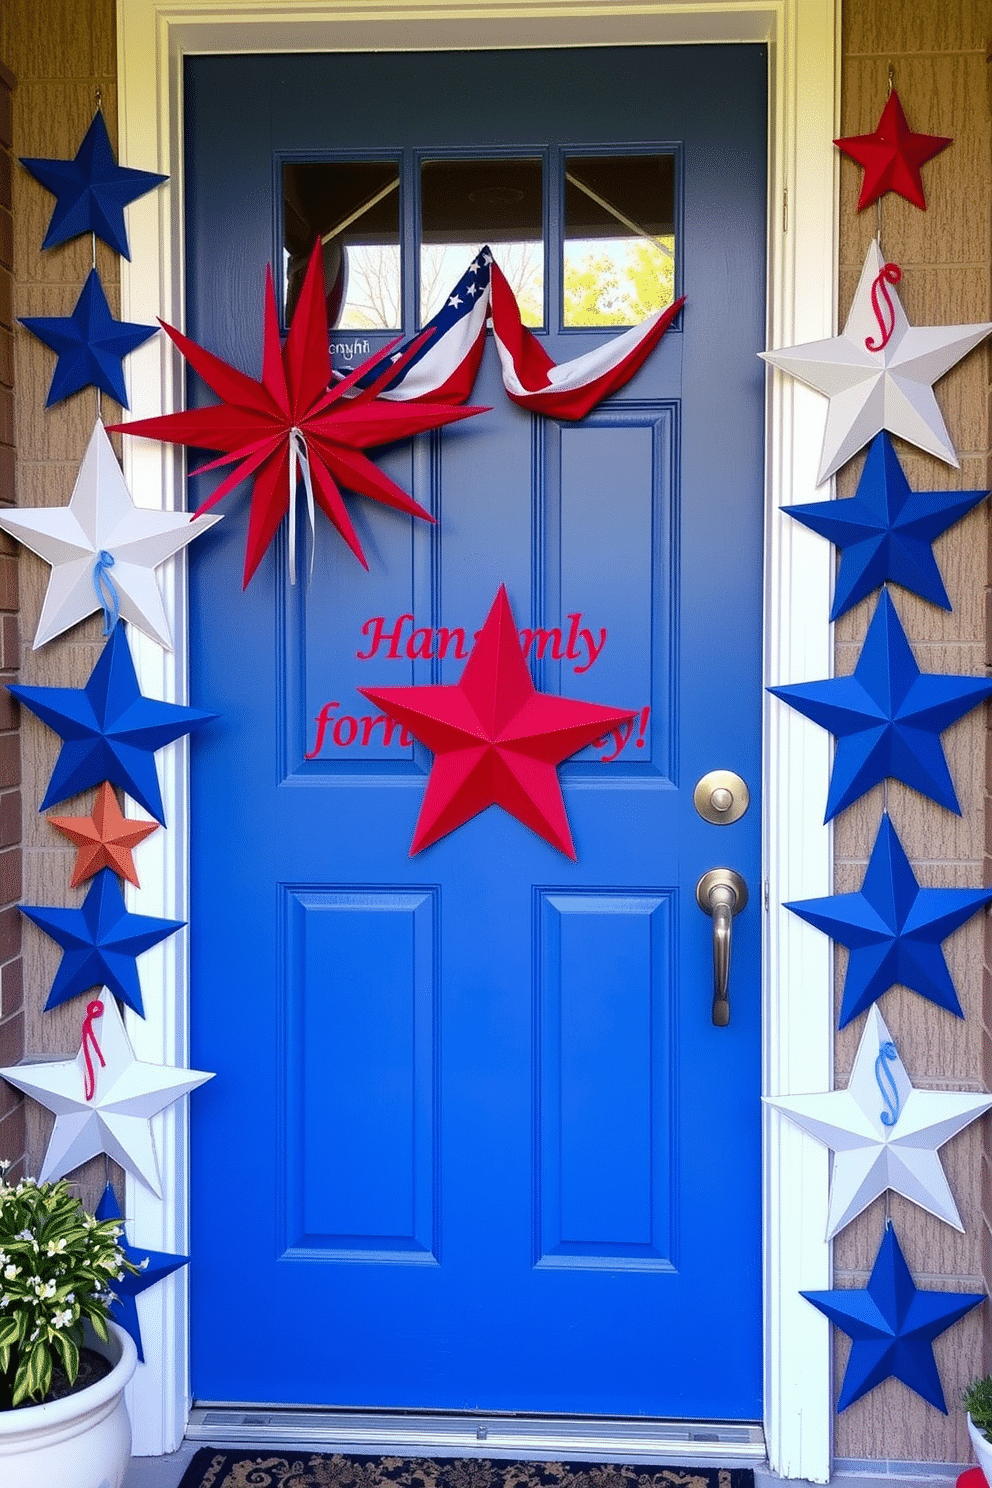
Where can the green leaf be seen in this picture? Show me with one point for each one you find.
(34, 1374)
(99, 1322)
(8, 1332)
(69, 1352)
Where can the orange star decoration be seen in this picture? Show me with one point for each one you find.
(104, 838)
(496, 739)
(293, 422)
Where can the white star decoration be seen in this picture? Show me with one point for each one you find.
(117, 1120)
(874, 390)
(883, 1133)
(102, 518)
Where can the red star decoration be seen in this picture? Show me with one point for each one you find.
(104, 838)
(892, 156)
(255, 423)
(496, 739)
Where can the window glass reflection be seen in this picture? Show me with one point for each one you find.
(619, 250)
(467, 203)
(353, 206)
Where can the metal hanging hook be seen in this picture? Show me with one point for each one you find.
(892, 77)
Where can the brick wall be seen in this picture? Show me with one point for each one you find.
(12, 1134)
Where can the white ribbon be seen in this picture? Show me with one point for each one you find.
(298, 455)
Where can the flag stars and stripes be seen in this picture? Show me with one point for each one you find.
(444, 366)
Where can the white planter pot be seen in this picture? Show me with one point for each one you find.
(83, 1441)
(982, 1450)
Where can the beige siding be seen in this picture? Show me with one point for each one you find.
(938, 57)
(12, 1107)
(62, 53)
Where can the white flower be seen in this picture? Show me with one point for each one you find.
(62, 1319)
(11, 1271)
(56, 1247)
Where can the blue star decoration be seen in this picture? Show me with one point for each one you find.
(892, 1327)
(893, 929)
(885, 530)
(100, 943)
(91, 191)
(110, 731)
(90, 344)
(153, 1266)
(887, 717)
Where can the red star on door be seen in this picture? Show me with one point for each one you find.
(496, 740)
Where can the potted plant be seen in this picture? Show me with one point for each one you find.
(57, 1268)
(977, 1401)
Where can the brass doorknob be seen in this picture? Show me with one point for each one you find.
(721, 797)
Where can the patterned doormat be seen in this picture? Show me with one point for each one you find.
(215, 1468)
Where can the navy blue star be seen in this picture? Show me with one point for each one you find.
(888, 717)
(893, 929)
(92, 190)
(892, 1327)
(154, 1265)
(111, 731)
(885, 530)
(91, 345)
(100, 943)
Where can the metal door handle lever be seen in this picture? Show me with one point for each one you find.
(721, 893)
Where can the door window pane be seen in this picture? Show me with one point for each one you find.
(619, 250)
(468, 203)
(354, 207)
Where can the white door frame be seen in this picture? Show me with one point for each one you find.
(153, 37)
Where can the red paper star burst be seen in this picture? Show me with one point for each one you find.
(892, 156)
(292, 414)
(105, 838)
(496, 739)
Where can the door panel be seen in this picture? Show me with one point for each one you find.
(606, 1065)
(474, 1141)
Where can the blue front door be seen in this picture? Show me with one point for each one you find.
(475, 1141)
